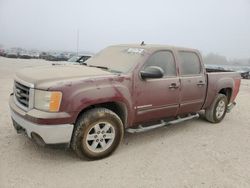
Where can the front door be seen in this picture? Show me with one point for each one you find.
(158, 98)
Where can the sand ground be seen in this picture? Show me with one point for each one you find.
(190, 154)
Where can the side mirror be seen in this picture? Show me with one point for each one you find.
(152, 72)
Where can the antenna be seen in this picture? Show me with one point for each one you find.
(77, 42)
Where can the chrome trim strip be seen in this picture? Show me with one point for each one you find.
(30, 85)
(19, 104)
(191, 102)
(144, 106)
(31, 98)
(142, 111)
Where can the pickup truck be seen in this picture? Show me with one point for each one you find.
(131, 88)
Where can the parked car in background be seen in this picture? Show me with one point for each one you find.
(80, 58)
(62, 57)
(25, 55)
(11, 54)
(35, 54)
(56, 57)
(245, 75)
(43, 55)
(51, 57)
(2, 52)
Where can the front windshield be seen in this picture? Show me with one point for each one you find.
(117, 58)
(73, 59)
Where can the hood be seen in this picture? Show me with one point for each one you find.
(45, 74)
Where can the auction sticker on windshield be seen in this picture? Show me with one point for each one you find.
(135, 50)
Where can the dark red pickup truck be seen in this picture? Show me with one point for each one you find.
(124, 87)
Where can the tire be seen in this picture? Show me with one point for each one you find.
(97, 133)
(217, 111)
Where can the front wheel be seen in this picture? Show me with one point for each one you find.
(217, 111)
(97, 134)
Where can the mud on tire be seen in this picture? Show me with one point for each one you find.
(97, 134)
(217, 111)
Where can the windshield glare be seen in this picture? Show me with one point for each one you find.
(117, 58)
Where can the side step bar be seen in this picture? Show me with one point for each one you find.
(162, 124)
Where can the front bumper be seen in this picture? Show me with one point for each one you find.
(49, 134)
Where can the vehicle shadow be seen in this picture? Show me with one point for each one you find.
(58, 152)
(165, 132)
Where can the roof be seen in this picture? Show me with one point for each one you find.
(155, 47)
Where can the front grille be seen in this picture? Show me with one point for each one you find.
(22, 94)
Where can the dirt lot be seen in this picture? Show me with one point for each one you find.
(190, 154)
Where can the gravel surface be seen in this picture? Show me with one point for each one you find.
(190, 154)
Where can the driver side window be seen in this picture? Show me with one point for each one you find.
(164, 60)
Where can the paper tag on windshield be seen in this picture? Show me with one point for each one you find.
(135, 50)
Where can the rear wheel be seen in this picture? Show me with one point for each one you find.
(217, 111)
(97, 134)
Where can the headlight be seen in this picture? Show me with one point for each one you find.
(47, 100)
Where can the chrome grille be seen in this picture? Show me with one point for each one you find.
(22, 93)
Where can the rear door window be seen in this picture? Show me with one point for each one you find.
(189, 63)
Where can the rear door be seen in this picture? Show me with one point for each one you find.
(193, 82)
(158, 98)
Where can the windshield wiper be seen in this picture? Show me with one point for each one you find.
(97, 66)
(105, 68)
(82, 63)
(115, 71)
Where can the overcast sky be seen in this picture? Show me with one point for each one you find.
(220, 26)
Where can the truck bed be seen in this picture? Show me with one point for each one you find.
(221, 79)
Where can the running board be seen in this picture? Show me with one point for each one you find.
(162, 124)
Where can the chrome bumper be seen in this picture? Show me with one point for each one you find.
(50, 134)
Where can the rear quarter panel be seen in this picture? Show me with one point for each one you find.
(219, 80)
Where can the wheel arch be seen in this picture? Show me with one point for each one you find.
(117, 107)
(228, 92)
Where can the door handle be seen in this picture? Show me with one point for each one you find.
(173, 86)
(201, 83)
